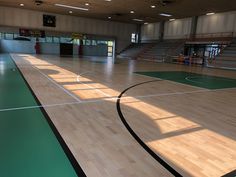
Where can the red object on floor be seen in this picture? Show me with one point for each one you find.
(37, 48)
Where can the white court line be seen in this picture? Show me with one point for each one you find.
(69, 93)
(189, 79)
(114, 98)
(54, 82)
(56, 105)
(98, 90)
(33, 107)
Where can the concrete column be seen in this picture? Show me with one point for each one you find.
(193, 27)
(162, 29)
(139, 33)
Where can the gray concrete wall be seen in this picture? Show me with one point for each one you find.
(98, 50)
(27, 47)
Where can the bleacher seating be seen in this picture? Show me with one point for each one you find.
(227, 59)
(161, 50)
(134, 50)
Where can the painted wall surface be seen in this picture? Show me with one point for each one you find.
(50, 48)
(181, 28)
(15, 17)
(27, 47)
(13, 46)
(99, 50)
(150, 32)
(217, 23)
(177, 29)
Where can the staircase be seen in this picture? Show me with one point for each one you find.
(227, 59)
(161, 50)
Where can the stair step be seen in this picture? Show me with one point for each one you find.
(228, 55)
(229, 51)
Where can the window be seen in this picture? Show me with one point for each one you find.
(49, 39)
(65, 40)
(56, 39)
(42, 39)
(76, 41)
(15, 35)
(88, 42)
(9, 36)
(101, 42)
(94, 42)
(110, 45)
(134, 38)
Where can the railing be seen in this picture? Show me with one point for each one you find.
(176, 37)
(215, 35)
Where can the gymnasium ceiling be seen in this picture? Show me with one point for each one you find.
(119, 10)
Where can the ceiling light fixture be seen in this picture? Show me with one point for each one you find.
(70, 12)
(22, 5)
(132, 12)
(71, 7)
(210, 13)
(109, 17)
(146, 23)
(153, 6)
(172, 19)
(87, 4)
(165, 15)
(138, 20)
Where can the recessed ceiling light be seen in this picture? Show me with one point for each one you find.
(108, 0)
(210, 13)
(165, 15)
(138, 20)
(132, 12)
(153, 6)
(71, 7)
(87, 4)
(70, 12)
(22, 5)
(172, 19)
(109, 17)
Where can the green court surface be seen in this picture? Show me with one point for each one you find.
(28, 146)
(193, 79)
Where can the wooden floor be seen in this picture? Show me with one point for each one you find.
(190, 128)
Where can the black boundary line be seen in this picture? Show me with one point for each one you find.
(70, 156)
(231, 174)
(137, 138)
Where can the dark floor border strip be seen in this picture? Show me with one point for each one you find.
(231, 174)
(70, 156)
(137, 138)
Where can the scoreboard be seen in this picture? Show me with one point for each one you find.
(49, 20)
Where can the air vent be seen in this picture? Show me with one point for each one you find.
(167, 2)
(119, 14)
(38, 2)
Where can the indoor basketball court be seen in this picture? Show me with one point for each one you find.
(100, 89)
